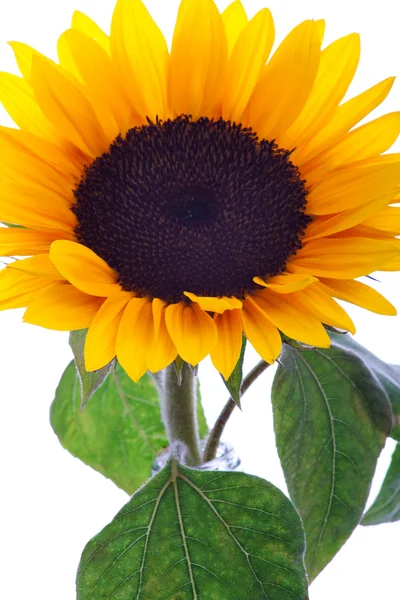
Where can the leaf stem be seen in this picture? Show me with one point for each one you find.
(214, 437)
(178, 409)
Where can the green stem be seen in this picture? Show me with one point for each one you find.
(214, 437)
(178, 409)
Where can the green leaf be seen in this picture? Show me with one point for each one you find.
(201, 417)
(386, 507)
(194, 535)
(90, 381)
(388, 375)
(331, 419)
(234, 383)
(119, 433)
(178, 362)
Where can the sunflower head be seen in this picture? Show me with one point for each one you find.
(172, 200)
(191, 206)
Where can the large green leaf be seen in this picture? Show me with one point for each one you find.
(386, 507)
(120, 431)
(194, 535)
(90, 381)
(331, 418)
(388, 375)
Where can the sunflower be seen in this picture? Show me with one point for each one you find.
(171, 201)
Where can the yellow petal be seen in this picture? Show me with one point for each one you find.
(361, 231)
(192, 330)
(86, 25)
(218, 305)
(246, 62)
(360, 294)
(39, 265)
(321, 305)
(101, 338)
(67, 165)
(25, 242)
(320, 25)
(84, 269)
(97, 71)
(33, 208)
(350, 187)
(289, 318)
(286, 283)
(66, 107)
(140, 50)
(284, 88)
(198, 59)
(19, 168)
(366, 141)
(342, 258)
(344, 118)
(18, 99)
(261, 333)
(329, 225)
(162, 351)
(67, 61)
(394, 263)
(235, 20)
(18, 288)
(387, 220)
(226, 351)
(23, 55)
(336, 70)
(135, 336)
(62, 307)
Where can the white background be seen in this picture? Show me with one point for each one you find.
(51, 503)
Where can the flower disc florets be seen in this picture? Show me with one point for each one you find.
(200, 206)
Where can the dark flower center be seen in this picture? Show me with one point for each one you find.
(199, 206)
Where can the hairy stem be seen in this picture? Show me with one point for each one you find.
(178, 409)
(214, 437)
